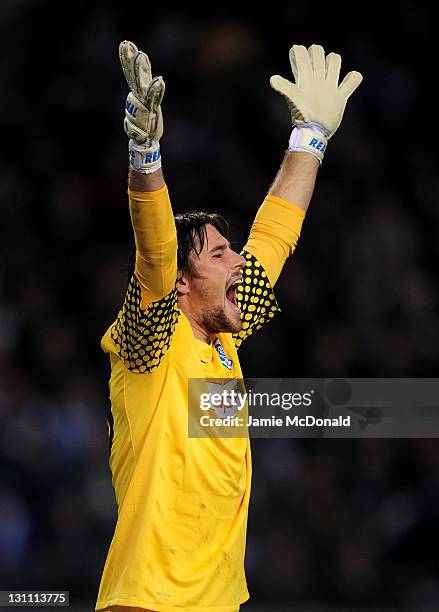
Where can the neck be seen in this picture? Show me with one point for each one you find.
(199, 331)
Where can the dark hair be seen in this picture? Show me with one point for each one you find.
(191, 236)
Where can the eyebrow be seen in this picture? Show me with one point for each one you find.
(220, 247)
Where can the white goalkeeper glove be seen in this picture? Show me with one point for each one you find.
(143, 116)
(316, 100)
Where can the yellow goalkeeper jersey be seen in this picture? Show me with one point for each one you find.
(179, 540)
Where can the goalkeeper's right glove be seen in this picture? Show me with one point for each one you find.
(316, 100)
(143, 116)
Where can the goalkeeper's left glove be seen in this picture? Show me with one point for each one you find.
(316, 100)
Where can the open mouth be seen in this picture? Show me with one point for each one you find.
(231, 294)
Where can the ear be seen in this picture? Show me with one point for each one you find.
(183, 285)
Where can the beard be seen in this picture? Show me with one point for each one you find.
(216, 320)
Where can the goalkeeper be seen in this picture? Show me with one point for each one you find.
(180, 536)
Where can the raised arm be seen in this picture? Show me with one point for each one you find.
(317, 103)
(145, 324)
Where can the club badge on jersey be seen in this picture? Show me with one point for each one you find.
(228, 363)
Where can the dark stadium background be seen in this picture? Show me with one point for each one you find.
(335, 524)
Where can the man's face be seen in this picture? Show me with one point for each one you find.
(211, 295)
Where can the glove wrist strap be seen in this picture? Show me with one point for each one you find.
(309, 138)
(144, 159)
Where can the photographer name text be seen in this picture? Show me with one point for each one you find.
(287, 421)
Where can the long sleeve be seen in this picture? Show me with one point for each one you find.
(143, 330)
(273, 238)
(156, 242)
(274, 234)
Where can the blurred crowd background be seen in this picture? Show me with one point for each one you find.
(346, 523)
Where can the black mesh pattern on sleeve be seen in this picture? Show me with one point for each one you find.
(142, 337)
(255, 299)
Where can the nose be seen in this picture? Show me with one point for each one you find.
(240, 261)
